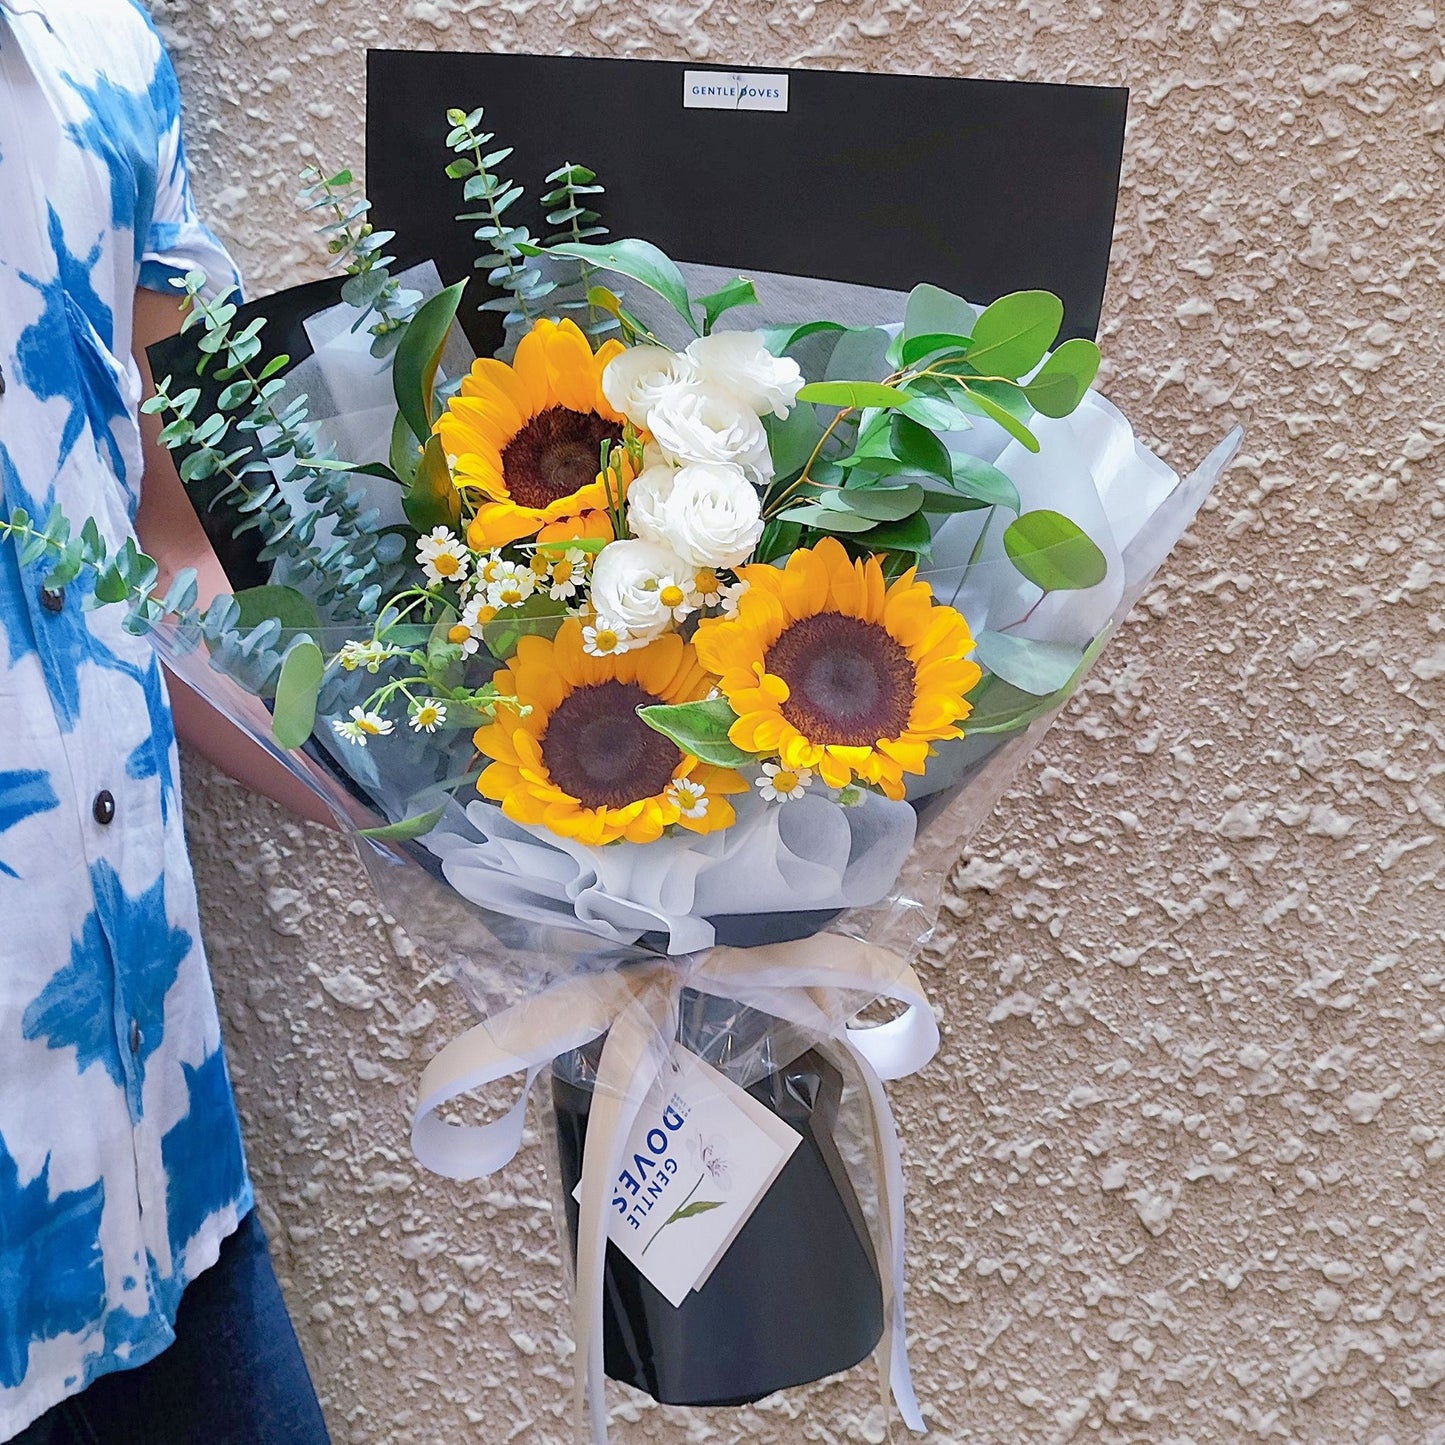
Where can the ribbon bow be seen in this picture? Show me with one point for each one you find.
(806, 983)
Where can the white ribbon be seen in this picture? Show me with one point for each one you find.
(805, 983)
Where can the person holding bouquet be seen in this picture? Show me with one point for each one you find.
(137, 1298)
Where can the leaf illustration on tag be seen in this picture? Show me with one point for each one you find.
(698, 1206)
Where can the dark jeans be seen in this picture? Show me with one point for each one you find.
(234, 1376)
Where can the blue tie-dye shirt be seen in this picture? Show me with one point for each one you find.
(120, 1157)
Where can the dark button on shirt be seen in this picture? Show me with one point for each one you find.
(103, 808)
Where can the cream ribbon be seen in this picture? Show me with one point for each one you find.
(811, 983)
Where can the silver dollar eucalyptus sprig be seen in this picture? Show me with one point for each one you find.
(570, 209)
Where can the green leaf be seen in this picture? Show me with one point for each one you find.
(779, 338)
(1013, 334)
(297, 689)
(999, 707)
(1063, 379)
(700, 729)
(975, 396)
(915, 348)
(432, 500)
(856, 394)
(1054, 553)
(539, 616)
(698, 1206)
(407, 829)
(414, 369)
(918, 449)
(881, 503)
(791, 439)
(641, 261)
(285, 604)
(405, 452)
(931, 309)
(912, 534)
(826, 519)
(738, 292)
(1035, 667)
(950, 502)
(977, 478)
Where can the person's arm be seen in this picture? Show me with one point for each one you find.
(171, 533)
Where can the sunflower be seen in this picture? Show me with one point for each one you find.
(582, 762)
(525, 439)
(833, 670)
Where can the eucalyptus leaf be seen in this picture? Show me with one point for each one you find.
(854, 394)
(980, 479)
(859, 351)
(916, 348)
(1061, 382)
(539, 616)
(1012, 335)
(1035, 667)
(699, 729)
(932, 309)
(289, 607)
(919, 449)
(1053, 552)
(912, 534)
(881, 503)
(826, 519)
(778, 339)
(297, 690)
(986, 405)
(999, 707)
(791, 439)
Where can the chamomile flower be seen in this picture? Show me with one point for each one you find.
(369, 655)
(690, 797)
(467, 633)
(428, 715)
(606, 639)
(677, 595)
(489, 568)
(731, 595)
(567, 573)
(443, 556)
(361, 726)
(780, 785)
(707, 588)
(514, 584)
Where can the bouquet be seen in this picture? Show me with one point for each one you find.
(662, 665)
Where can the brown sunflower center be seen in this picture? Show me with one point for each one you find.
(849, 682)
(556, 454)
(597, 749)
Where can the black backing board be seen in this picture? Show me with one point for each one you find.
(982, 187)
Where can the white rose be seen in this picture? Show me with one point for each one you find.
(710, 515)
(635, 381)
(739, 362)
(695, 425)
(641, 585)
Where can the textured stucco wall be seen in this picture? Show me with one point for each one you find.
(1177, 1173)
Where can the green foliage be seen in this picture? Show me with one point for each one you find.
(1013, 335)
(416, 826)
(1060, 383)
(1035, 667)
(286, 605)
(699, 729)
(418, 358)
(431, 498)
(506, 257)
(639, 261)
(738, 292)
(357, 249)
(1053, 552)
(539, 616)
(259, 444)
(297, 691)
(569, 207)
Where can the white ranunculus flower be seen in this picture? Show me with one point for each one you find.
(709, 514)
(739, 362)
(694, 424)
(636, 380)
(641, 585)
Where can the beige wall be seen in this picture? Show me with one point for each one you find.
(1177, 1173)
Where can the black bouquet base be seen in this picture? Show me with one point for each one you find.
(795, 1298)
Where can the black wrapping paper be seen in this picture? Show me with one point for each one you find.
(982, 187)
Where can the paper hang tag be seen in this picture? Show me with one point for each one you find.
(733, 90)
(699, 1158)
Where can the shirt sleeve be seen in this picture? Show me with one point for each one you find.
(178, 241)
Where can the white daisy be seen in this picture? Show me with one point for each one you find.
(691, 798)
(606, 639)
(779, 784)
(731, 595)
(513, 584)
(707, 588)
(443, 556)
(428, 716)
(369, 655)
(567, 574)
(467, 634)
(678, 595)
(361, 726)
